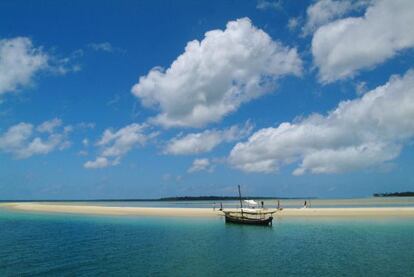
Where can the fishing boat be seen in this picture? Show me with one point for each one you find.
(252, 215)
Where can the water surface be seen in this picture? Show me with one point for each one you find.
(57, 245)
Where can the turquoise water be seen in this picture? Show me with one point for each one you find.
(75, 245)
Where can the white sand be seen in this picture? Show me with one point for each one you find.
(203, 212)
(106, 210)
(348, 212)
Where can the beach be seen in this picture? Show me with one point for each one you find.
(208, 212)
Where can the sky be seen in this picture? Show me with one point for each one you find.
(148, 99)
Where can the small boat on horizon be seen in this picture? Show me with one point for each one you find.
(253, 215)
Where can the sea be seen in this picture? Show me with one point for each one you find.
(47, 244)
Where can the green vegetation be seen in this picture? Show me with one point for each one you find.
(394, 194)
(176, 198)
(212, 198)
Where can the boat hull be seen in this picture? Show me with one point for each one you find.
(248, 221)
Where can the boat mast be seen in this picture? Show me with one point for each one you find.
(241, 202)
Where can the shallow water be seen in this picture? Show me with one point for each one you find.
(76, 245)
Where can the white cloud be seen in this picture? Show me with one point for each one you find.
(213, 77)
(324, 11)
(85, 142)
(206, 141)
(358, 134)
(67, 129)
(361, 88)
(293, 23)
(100, 162)
(86, 125)
(83, 153)
(104, 46)
(115, 144)
(20, 61)
(200, 165)
(49, 126)
(268, 4)
(24, 140)
(343, 47)
(120, 142)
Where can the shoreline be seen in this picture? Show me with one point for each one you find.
(208, 212)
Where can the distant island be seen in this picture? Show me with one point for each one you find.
(223, 198)
(395, 194)
(175, 198)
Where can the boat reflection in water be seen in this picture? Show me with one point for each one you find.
(252, 215)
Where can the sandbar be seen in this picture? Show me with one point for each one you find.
(206, 212)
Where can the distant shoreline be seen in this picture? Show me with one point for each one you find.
(371, 212)
(178, 198)
(395, 194)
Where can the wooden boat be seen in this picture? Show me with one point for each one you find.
(258, 218)
(249, 216)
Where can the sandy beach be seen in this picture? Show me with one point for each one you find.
(106, 210)
(204, 212)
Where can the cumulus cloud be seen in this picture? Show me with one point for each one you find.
(115, 144)
(343, 47)
(24, 140)
(358, 134)
(200, 165)
(213, 77)
(324, 11)
(19, 63)
(195, 143)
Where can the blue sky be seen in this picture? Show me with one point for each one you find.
(135, 100)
